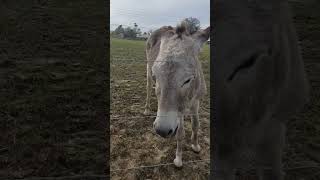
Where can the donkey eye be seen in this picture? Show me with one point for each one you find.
(186, 82)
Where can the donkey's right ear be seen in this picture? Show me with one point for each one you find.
(201, 36)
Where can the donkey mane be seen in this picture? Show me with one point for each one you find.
(181, 29)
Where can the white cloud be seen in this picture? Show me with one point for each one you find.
(150, 14)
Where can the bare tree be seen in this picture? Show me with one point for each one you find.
(193, 24)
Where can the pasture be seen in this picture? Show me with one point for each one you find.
(133, 140)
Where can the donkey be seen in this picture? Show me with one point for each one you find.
(259, 83)
(173, 65)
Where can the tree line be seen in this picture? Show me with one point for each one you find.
(134, 32)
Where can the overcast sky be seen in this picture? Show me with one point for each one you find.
(151, 14)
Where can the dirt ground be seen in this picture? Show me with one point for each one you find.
(53, 74)
(303, 131)
(133, 141)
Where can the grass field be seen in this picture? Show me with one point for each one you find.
(133, 142)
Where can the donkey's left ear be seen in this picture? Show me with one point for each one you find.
(201, 36)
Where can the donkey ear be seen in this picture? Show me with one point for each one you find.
(201, 36)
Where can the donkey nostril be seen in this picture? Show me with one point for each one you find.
(170, 132)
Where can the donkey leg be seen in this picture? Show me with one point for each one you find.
(179, 136)
(195, 127)
(178, 160)
(270, 154)
(149, 88)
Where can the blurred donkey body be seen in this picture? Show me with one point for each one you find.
(259, 83)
